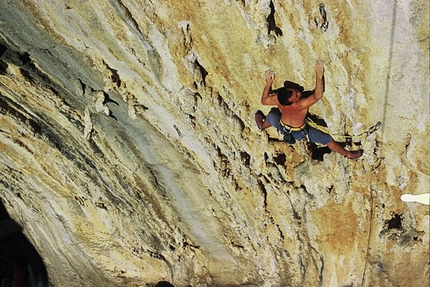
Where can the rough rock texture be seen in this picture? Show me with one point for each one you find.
(130, 155)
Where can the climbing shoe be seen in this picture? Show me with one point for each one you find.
(259, 118)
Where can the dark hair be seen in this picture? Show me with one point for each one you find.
(292, 85)
(284, 96)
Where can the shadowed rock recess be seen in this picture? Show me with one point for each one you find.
(130, 156)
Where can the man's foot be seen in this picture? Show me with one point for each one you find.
(259, 118)
(355, 154)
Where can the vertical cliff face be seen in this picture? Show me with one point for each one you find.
(130, 155)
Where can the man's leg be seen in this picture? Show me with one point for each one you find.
(265, 125)
(318, 136)
(264, 122)
(260, 120)
(336, 147)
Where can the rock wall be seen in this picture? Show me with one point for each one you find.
(130, 155)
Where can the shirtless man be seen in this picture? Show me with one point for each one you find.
(290, 121)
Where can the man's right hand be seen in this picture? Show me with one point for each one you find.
(319, 68)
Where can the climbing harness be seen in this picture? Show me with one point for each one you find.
(287, 130)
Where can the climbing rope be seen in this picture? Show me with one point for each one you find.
(363, 136)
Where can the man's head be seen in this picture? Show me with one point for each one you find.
(287, 96)
(284, 96)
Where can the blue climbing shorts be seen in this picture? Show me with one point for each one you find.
(314, 135)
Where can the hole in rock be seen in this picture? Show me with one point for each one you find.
(264, 191)
(395, 222)
(20, 263)
(2, 49)
(25, 58)
(317, 152)
(115, 78)
(114, 75)
(280, 159)
(246, 158)
(271, 21)
(202, 71)
(3, 67)
(27, 75)
(315, 118)
(108, 99)
(243, 2)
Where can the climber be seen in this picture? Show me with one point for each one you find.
(293, 105)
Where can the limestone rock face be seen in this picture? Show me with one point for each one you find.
(130, 155)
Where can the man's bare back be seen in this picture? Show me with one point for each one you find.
(292, 115)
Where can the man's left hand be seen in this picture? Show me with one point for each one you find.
(270, 76)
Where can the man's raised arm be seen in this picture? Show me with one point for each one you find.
(319, 86)
(266, 99)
